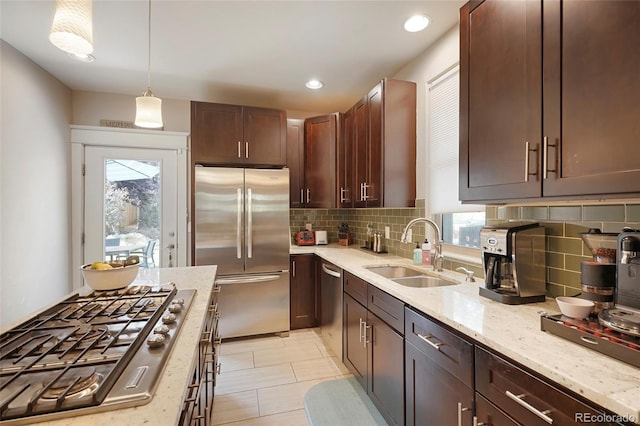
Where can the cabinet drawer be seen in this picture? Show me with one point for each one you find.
(356, 288)
(490, 415)
(449, 351)
(523, 397)
(387, 307)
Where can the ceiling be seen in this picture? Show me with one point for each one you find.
(257, 53)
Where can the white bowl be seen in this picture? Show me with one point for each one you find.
(109, 279)
(575, 307)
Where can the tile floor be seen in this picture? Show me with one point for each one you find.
(262, 381)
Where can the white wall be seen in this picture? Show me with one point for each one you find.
(34, 187)
(440, 56)
(91, 107)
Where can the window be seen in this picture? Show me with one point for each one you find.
(461, 223)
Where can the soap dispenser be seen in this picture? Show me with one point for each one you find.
(417, 255)
(426, 252)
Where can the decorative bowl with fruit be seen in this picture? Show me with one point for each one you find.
(102, 276)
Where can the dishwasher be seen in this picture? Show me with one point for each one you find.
(331, 307)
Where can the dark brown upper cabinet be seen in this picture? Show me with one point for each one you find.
(549, 99)
(238, 135)
(295, 161)
(321, 138)
(345, 161)
(384, 146)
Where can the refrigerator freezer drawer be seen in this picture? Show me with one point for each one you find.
(253, 304)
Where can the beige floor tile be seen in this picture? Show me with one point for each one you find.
(279, 399)
(248, 345)
(273, 356)
(291, 418)
(316, 369)
(236, 361)
(254, 378)
(235, 406)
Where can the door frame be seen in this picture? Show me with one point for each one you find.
(82, 136)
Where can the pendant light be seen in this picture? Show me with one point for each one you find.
(148, 107)
(72, 29)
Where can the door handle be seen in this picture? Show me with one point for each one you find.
(308, 195)
(301, 196)
(436, 346)
(528, 149)
(246, 149)
(360, 331)
(249, 223)
(239, 150)
(330, 271)
(545, 159)
(238, 223)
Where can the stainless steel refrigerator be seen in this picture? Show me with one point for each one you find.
(242, 225)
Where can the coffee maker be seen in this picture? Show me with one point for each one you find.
(513, 259)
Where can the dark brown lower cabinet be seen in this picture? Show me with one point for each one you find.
(525, 398)
(438, 374)
(303, 292)
(373, 353)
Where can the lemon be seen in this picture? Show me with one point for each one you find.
(101, 266)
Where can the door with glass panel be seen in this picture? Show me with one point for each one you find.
(130, 205)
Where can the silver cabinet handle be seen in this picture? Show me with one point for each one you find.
(476, 423)
(364, 332)
(246, 149)
(239, 150)
(239, 223)
(293, 268)
(301, 196)
(545, 159)
(308, 195)
(249, 223)
(461, 409)
(528, 149)
(361, 191)
(360, 331)
(343, 196)
(436, 346)
(520, 400)
(365, 196)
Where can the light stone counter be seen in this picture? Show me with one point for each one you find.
(511, 330)
(166, 404)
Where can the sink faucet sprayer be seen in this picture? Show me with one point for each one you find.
(439, 258)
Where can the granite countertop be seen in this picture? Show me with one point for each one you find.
(166, 405)
(513, 330)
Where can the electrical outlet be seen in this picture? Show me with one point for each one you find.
(308, 227)
(387, 232)
(410, 235)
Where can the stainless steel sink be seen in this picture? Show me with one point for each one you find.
(395, 271)
(409, 277)
(422, 281)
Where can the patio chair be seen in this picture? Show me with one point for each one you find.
(147, 254)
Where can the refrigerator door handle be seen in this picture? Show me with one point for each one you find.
(249, 279)
(239, 223)
(249, 224)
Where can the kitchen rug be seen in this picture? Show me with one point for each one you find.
(340, 402)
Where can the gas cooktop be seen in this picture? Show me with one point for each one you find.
(89, 353)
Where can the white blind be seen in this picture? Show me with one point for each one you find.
(444, 100)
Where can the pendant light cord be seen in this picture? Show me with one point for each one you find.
(149, 52)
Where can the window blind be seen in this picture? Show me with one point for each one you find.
(443, 122)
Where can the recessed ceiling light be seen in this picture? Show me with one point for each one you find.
(83, 58)
(314, 84)
(416, 23)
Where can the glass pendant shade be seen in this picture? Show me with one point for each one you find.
(148, 111)
(72, 29)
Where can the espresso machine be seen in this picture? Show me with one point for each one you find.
(513, 259)
(625, 315)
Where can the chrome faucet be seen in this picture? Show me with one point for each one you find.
(438, 258)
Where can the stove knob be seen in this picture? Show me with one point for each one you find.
(174, 308)
(155, 340)
(169, 318)
(179, 301)
(161, 329)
